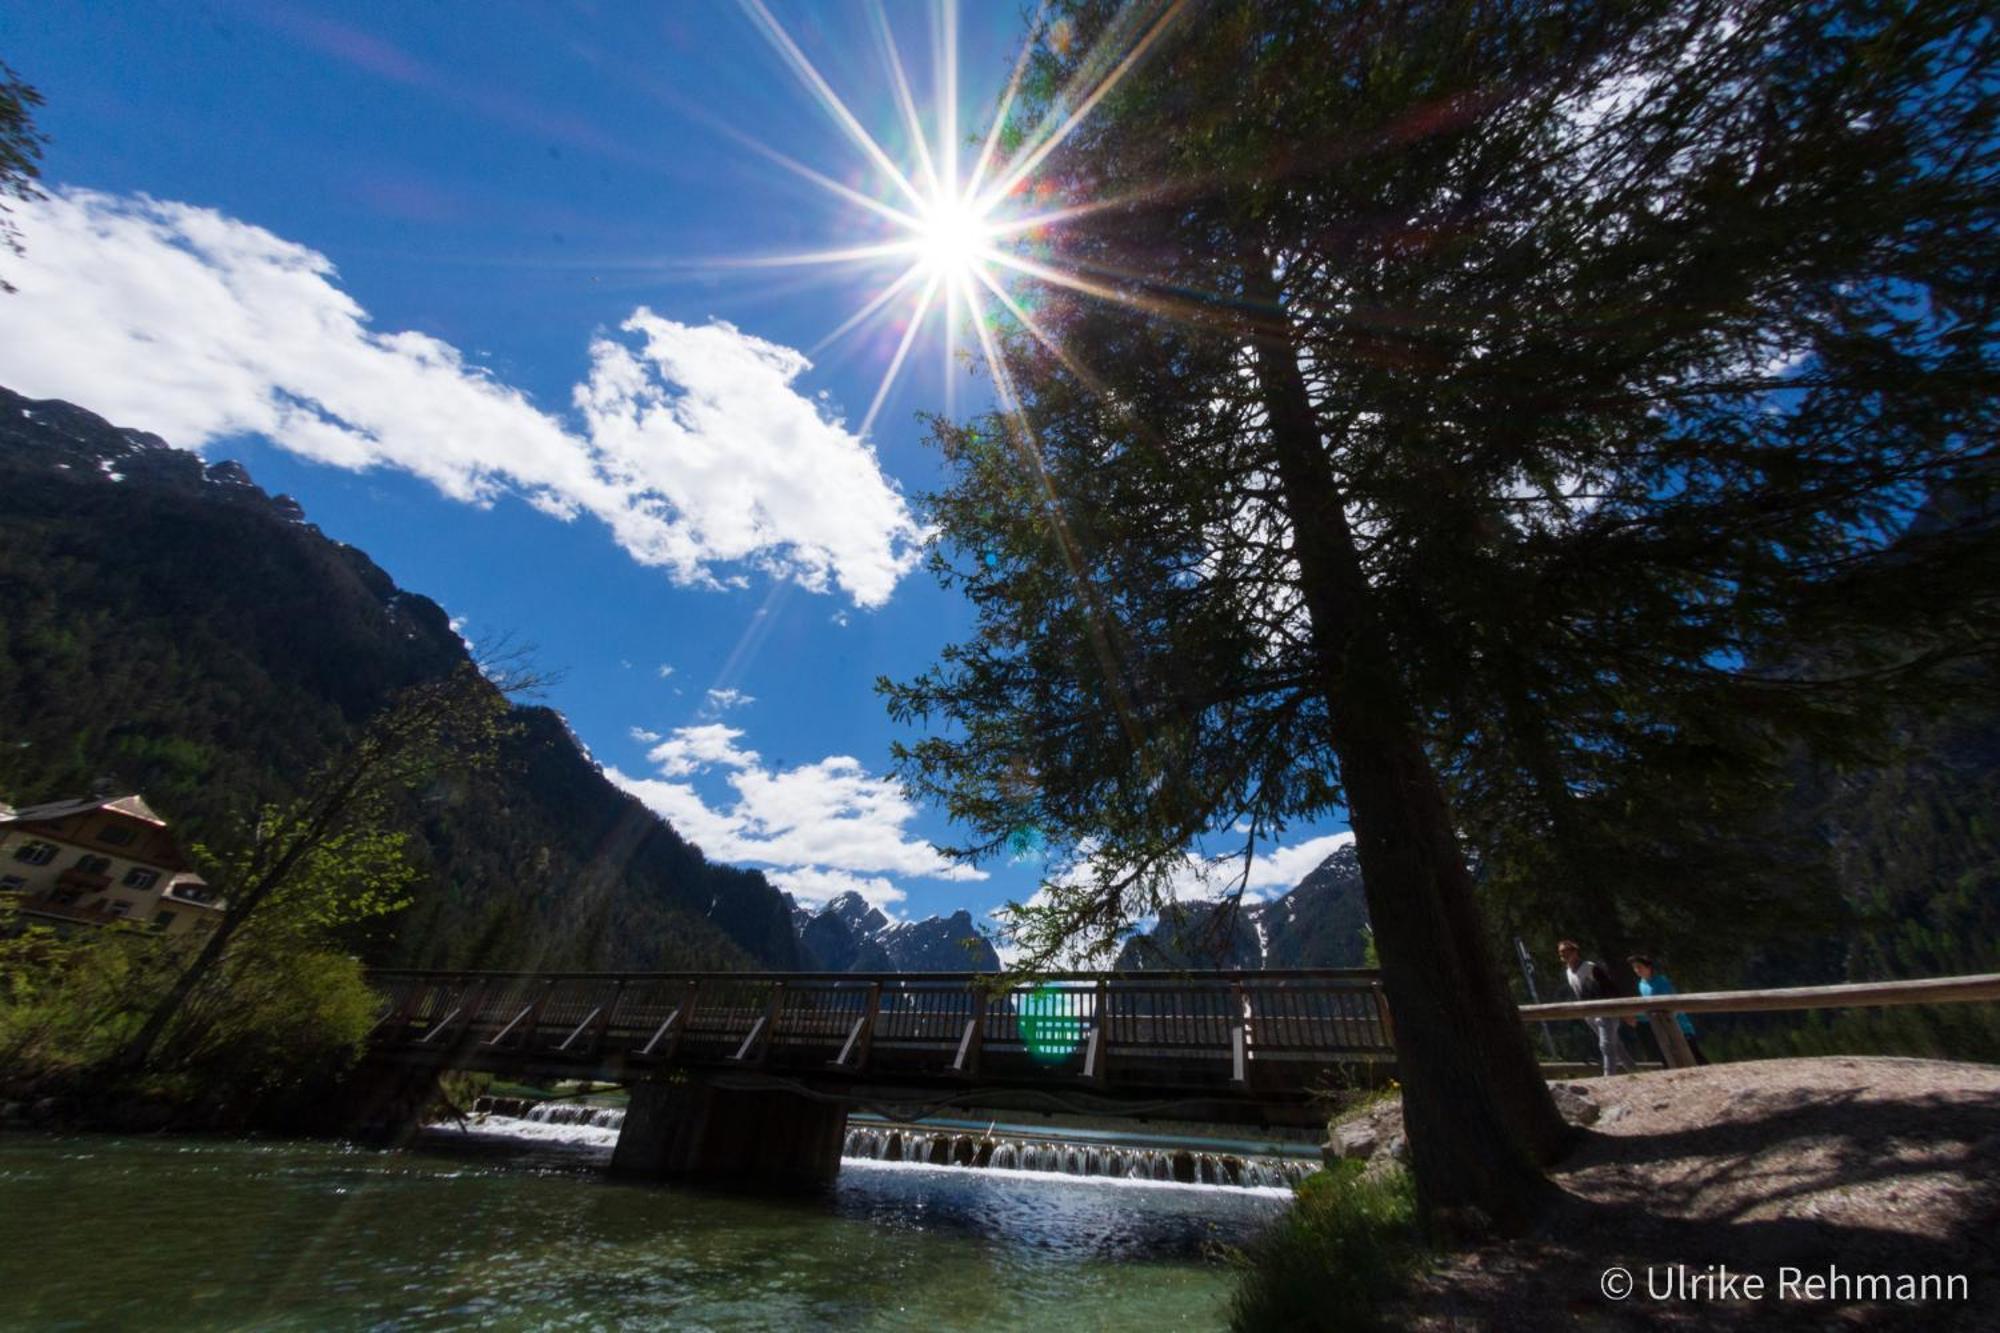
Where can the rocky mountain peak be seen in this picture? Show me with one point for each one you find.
(857, 914)
(848, 934)
(1318, 923)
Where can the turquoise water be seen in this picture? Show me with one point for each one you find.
(170, 1233)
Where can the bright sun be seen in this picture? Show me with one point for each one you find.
(952, 237)
(959, 236)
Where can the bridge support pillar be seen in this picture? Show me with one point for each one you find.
(753, 1138)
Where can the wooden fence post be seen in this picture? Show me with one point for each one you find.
(1673, 1042)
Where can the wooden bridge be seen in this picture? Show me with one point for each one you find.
(737, 1074)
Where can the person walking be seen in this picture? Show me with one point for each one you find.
(1652, 981)
(1589, 981)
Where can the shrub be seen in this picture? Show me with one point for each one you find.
(280, 1019)
(1346, 1246)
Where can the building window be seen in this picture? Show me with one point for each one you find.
(93, 865)
(119, 907)
(138, 877)
(36, 853)
(161, 920)
(116, 835)
(66, 897)
(12, 883)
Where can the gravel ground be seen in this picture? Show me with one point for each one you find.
(1810, 1169)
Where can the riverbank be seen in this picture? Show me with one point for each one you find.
(1821, 1171)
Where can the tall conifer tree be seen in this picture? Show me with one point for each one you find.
(1436, 398)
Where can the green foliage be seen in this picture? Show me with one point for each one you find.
(1332, 1262)
(284, 1015)
(326, 848)
(281, 1017)
(1604, 412)
(68, 1004)
(343, 884)
(20, 153)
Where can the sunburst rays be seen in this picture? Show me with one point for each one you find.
(956, 239)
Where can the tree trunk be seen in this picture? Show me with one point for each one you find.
(140, 1049)
(1480, 1120)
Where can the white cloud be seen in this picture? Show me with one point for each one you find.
(1195, 879)
(1273, 873)
(813, 886)
(1278, 871)
(665, 670)
(695, 447)
(645, 737)
(693, 749)
(721, 701)
(822, 828)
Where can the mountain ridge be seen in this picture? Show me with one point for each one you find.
(848, 934)
(1319, 922)
(174, 628)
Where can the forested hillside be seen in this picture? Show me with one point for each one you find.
(167, 627)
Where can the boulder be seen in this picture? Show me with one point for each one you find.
(1355, 1139)
(1575, 1103)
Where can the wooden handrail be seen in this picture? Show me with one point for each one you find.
(1360, 977)
(1860, 994)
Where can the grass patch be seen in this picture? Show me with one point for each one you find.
(1352, 1104)
(1343, 1250)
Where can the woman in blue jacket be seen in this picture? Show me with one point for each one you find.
(1652, 981)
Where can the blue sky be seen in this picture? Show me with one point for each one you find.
(467, 282)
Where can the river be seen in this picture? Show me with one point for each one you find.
(491, 1230)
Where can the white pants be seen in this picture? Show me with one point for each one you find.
(1611, 1046)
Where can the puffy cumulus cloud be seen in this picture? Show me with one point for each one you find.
(706, 421)
(692, 749)
(822, 828)
(691, 444)
(721, 701)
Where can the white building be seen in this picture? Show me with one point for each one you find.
(96, 861)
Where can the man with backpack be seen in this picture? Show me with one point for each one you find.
(1589, 981)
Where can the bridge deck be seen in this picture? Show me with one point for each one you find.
(1251, 1036)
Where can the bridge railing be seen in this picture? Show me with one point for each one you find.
(1224, 1030)
(1659, 1010)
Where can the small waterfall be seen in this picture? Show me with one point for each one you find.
(552, 1113)
(947, 1148)
(975, 1150)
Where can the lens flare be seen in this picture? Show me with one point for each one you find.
(1050, 1023)
(956, 232)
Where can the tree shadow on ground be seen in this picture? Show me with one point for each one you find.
(1812, 1179)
